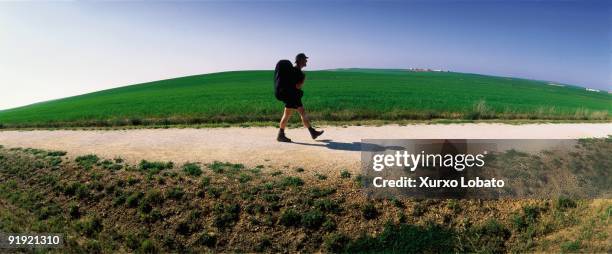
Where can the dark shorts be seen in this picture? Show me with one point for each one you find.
(293, 100)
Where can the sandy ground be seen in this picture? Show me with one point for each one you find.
(338, 148)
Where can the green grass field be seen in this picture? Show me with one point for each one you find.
(335, 95)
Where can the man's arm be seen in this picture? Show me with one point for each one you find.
(300, 80)
(299, 84)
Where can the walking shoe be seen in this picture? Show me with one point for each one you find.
(281, 137)
(314, 133)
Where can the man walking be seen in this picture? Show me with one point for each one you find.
(289, 85)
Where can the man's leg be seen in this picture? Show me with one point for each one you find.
(313, 133)
(304, 117)
(283, 124)
(286, 115)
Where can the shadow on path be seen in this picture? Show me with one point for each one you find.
(353, 146)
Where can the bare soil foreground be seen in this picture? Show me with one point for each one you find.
(337, 149)
(103, 205)
(253, 204)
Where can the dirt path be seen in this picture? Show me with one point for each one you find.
(338, 147)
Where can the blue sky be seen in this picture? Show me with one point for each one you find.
(57, 49)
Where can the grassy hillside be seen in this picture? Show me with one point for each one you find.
(350, 94)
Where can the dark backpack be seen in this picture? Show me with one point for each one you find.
(283, 78)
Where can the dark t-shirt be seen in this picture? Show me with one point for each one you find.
(299, 75)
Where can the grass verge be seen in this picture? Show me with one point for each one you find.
(209, 208)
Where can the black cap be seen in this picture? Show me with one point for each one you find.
(300, 56)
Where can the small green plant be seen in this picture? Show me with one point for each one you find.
(321, 176)
(423, 239)
(359, 180)
(121, 183)
(243, 178)
(114, 167)
(327, 205)
(183, 227)
(271, 197)
(54, 161)
(147, 246)
(133, 199)
(254, 209)
(87, 161)
(207, 239)
(89, 226)
(564, 203)
(489, 237)
(192, 169)
(397, 203)
(48, 211)
(313, 219)
(226, 215)
(292, 181)
(73, 211)
(369, 211)
(131, 181)
(236, 166)
(132, 241)
(70, 189)
(49, 179)
(402, 218)
(161, 180)
(268, 186)
(95, 185)
(56, 153)
(154, 166)
(329, 225)
(95, 176)
(531, 213)
(217, 167)
(321, 192)
(290, 217)
(149, 215)
(519, 222)
(335, 242)
(453, 205)
(220, 167)
(106, 163)
(154, 197)
(571, 246)
(119, 200)
(247, 195)
(205, 182)
(82, 192)
(92, 246)
(418, 210)
(263, 244)
(345, 174)
(528, 217)
(175, 193)
(214, 192)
